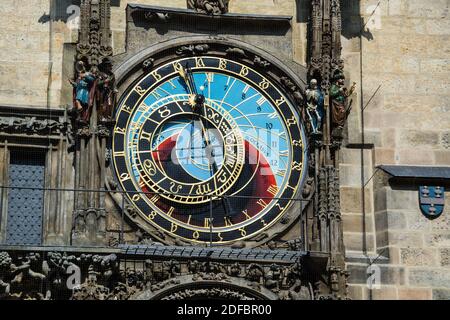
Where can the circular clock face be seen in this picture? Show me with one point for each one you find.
(208, 149)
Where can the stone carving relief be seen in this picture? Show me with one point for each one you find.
(209, 6)
(215, 293)
(32, 125)
(193, 49)
(47, 276)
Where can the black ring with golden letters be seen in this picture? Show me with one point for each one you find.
(240, 154)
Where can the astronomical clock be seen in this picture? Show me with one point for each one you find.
(196, 159)
(209, 145)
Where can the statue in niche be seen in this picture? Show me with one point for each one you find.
(106, 91)
(314, 106)
(209, 6)
(340, 108)
(84, 87)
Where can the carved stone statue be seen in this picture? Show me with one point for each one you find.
(339, 94)
(106, 91)
(84, 91)
(209, 6)
(22, 281)
(272, 277)
(314, 106)
(235, 270)
(255, 273)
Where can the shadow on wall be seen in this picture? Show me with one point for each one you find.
(352, 21)
(66, 10)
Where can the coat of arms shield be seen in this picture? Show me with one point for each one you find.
(431, 201)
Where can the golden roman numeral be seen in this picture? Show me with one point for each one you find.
(228, 222)
(261, 101)
(281, 173)
(284, 153)
(170, 212)
(155, 199)
(247, 217)
(273, 190)
(262, 203)
(172, 84)
(208, 222)
(273, 115)
(145, 135)
(156, 95)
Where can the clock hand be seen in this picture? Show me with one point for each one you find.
(200, 100)
(186, 75)
(197, 103)
(188, 78)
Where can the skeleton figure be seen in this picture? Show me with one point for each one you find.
(209, 6)
(314, 106)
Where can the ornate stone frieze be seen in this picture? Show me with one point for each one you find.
(32, 125)
(56, 275)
